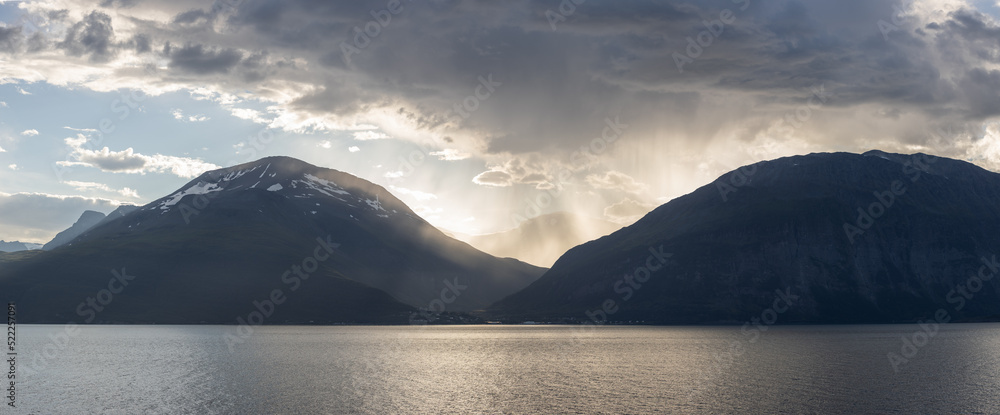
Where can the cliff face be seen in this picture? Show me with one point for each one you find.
(849, 238)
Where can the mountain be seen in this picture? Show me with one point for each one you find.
(15, 246)
(821, 238)
(117, 213)
(542, 239)
(336, 247)
(86, 221)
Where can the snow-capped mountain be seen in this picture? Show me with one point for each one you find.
(233, 235)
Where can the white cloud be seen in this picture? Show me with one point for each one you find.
(394, 174)
(324, 144)
(22, 91)
(39, 216)
(29, 133)
(249, 114)
(179, 115)
(415, 193)
(427, 212)
(83, 130)
(13, 167)
(3, 104)
(128, 161)
(616, 180)
(627, 211)
(370, 135)
(450, 154)
(493, 178)
(353, 149)
(2, 150)
(127, 192)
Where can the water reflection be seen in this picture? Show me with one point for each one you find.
(512, 369)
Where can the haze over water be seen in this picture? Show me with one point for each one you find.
(511, 369)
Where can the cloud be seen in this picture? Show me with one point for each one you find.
(249, 114)
(2, 150)
(37, 217)
(3, 104)
(539, 95)
(179, 115)
(370, 135)
(13, 167)
(93, 36)
(416, 194)
(10, 39)
(199, 59)
(353, 149)
(493, 178)
(450, 154)
(127, 192)
(29, 133)
(428, 213)
(324, 144)
(627, 211)
(128, 161)
(84, 130)
(616, 180)
(22, 91)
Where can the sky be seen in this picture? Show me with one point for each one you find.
(478, 115)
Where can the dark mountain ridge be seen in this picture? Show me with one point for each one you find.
(870, 238)
(231, 236)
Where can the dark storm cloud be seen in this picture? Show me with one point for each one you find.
(193, 16)
(595, 61)
(119, 3)
(94, 36)
(10, 39)
(982, 90)
(141, 43)
(198, 59)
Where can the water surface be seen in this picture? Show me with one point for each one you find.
(507, 369)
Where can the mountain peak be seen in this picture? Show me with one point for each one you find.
(293, 179)
(87, 220)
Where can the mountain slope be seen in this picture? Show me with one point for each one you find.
(232, 236)
(87, 220)
(543, 239)
(723, 252)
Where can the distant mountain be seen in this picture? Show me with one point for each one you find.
(86, 221)
(543, 239)
(121, 211)
(338, 248)
(15, 246)
(843, 238)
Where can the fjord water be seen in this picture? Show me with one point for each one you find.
(508, 369)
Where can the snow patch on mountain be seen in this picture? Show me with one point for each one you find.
(198, 189)
(328, 185)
